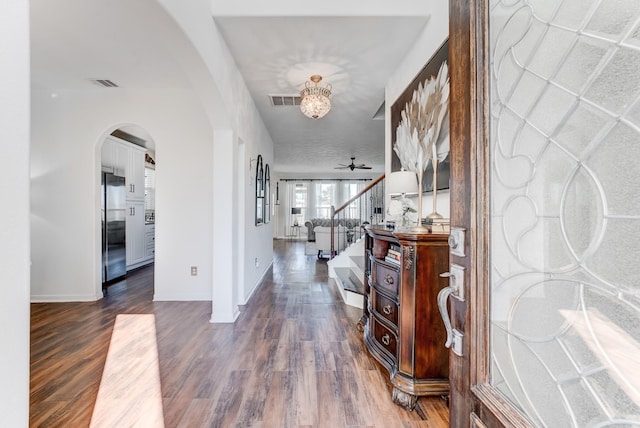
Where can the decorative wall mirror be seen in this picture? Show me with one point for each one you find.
(259, 191)
(267, 194)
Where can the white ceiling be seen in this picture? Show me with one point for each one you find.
(77, 40)
(73, 41)
(356, 55)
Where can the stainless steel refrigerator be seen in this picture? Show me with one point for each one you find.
(114, 207)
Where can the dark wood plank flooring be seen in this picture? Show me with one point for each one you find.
(294, 357)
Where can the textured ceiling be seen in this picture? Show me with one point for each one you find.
(356, 55)
(73, 41)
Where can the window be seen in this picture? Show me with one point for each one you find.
(325, 196)
(349, 190)
(300, 198)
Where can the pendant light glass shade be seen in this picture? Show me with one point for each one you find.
(315, 101)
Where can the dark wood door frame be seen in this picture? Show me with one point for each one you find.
(473, 402)
(462, 79)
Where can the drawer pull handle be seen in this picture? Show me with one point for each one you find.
(388, 279)
(387, 309)
(386, 340)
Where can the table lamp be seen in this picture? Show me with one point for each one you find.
(402, 183)
(296, 212)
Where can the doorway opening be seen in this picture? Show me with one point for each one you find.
(127, 196)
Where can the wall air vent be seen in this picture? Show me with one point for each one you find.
(105, 83)
(284, 100)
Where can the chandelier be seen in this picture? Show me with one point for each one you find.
(315, 99)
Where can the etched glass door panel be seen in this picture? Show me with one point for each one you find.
(565, 209)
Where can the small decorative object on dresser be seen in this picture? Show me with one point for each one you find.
(402, 326)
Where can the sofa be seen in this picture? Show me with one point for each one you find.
(323, 239)
(311, 224)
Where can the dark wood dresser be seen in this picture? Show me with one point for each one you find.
(402, 326)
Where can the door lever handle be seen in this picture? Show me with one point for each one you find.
(443, 296)
(454, 337)
(456, 279)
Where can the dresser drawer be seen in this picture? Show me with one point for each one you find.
(385, 277)
(384, 336)
(384, 306)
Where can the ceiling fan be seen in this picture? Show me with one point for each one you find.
(353, 166)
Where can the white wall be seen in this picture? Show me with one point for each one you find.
(258, 240)
(65, 190)
(14, 214)
(196, 132)
(435, 33)
(195, 19)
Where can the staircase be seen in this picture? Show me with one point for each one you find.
(347, 267)
(347, 271)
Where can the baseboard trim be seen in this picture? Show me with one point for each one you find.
(228, 318)
(44, 298)
(180, 298)
(256, 285)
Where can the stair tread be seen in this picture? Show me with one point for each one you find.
(358, 261)
(349, 280)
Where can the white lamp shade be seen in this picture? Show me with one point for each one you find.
(400, 182)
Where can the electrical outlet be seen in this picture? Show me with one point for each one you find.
(194, 270)
(255, 262)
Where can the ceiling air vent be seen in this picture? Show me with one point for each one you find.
(284, 100)
(105, 83)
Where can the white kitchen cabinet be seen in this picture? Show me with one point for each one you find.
(135, 235)
(115, 156)
(126, 159)
(121, 160)
(135, 173)
(108, 155)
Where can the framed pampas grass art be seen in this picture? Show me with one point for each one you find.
(420, 128)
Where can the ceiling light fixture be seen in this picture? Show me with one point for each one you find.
(315, 99)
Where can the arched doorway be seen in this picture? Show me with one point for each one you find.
(127, 204)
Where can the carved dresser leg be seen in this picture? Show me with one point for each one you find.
(403, 399)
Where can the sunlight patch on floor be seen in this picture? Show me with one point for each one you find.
(130, 393)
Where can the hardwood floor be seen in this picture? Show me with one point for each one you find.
(294, 357)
